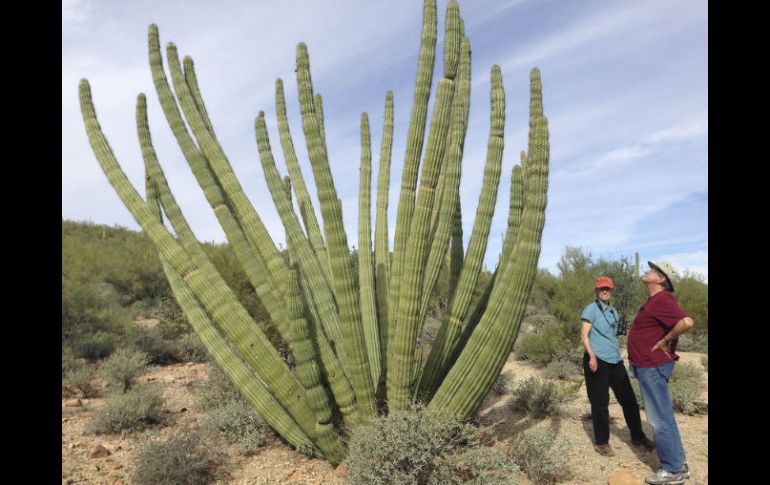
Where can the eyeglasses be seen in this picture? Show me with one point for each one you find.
(607, 289)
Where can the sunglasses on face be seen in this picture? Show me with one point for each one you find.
(606, 289)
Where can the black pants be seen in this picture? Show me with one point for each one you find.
(598, 383)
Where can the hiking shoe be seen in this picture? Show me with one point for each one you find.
(665, 477)
(604, 450)
(644, 442)
(685, 471)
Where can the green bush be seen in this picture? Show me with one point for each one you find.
(685, 387)
(172, 322)
(191, 349)
(150, 341)
(184, 459)
(93, 345)
(637, 393)
(562, 370)
(542, 457)
(419, 446)
(137, 409)
(537, 398)
(693, 342)
(692, 294)
(550, 341)
(219, 389)
(237, 422)
(503, 383)
(123, 366)
(80, 378)
(705, 362)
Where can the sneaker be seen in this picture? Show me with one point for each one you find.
(604, 450)
(685, 471)
(664, 477)
(644, 442)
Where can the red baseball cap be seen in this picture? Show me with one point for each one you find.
(604, 282)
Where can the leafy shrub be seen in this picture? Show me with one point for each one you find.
(693, 342)
(542, 457)
(172, 322)
(237, 422)
(503, 383)
(562, 370)
(218, 390)
(419, 446)
(123, 366)
(184, 459)
(137, 409)
(637, 392)
(80, 378)
(93, 345)
(191, 349)
(150, 341)
(685, 387)
(537, 398)
(705, 362)
(548, 342)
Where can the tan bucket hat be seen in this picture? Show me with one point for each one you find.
(667, 270)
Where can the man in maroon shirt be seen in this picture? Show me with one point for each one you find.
(652, 353)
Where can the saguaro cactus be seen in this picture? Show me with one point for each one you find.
(355, 348)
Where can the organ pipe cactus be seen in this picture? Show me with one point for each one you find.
(353, 335)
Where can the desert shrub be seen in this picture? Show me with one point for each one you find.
(80, 378)
(150, 341)
(137, 409)
(93, 345)
(693, 342)
(562, 370)
(705, 362)
(123, 366)
(218, 390)
(191, 349)
(237, 422)
(172, 322)
(552, 340)
(685, 387)
(692, 294)
(503, 383)
(183, 459)
(419, 446)
(637, 392)
(537, 397)
(541, 456)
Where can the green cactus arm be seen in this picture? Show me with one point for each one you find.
(482, 358)
(414, 143)
(308, 371)
(208, 286)
(365, 256)
(192, 82)
(239, 373)
(252, 266)
(348, 300)
(466, 282)
(303, 196)
(381, 245)
(300, 244)
(401, 347)
(319, 109)
(249, 220)
(446, 201)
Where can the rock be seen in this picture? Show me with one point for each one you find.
(340, 471)
(624, 478)
(98, 451)
(73, 403)
(190, 364)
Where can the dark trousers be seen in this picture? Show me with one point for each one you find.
(598, 383)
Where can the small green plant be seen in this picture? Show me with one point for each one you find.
(705, 362)
(550, 341)
(503, 383)
(561, 370)
(237, 422)
(693, 342)
(191, 349)
(537, 397)
(150, 341)
(637, 392)
(542, 456)
(184, 459)
(93, 345)
(80, 378)
(419, 446)
(218, 390)
(137, 409)
(123, 366)
(685, 387)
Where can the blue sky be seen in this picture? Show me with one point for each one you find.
(625, 87)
